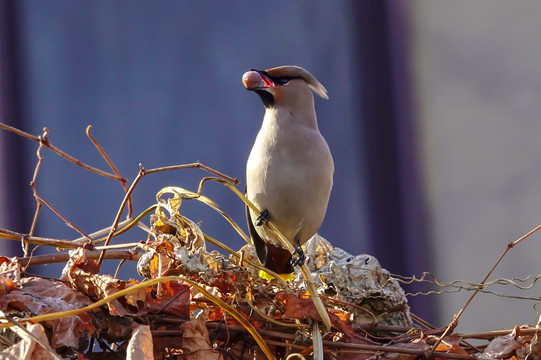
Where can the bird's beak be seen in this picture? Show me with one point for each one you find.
(256, 80)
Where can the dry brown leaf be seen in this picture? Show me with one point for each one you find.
(43, 296)
(10, 269)
(174, 299)
(451, 344)
(504, 347)
(6, 285)
(296, 307)
(195, 340)
(99, 286)
(299, 308)
(163, 260)
(27, 348)
(140, 346)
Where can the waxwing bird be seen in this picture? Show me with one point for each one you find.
(289, 172)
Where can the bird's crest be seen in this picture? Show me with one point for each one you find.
(298, 72)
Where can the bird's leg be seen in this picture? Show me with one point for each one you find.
(300, 258)
(263, 218)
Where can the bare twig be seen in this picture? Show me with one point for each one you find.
(70, 158)
(281, 282)
(143, 172)
(129, 255)
(195, 165)
(111, 165)
(121, 209)
(421, 321)
(69, 223)
(95, 235)
(488, 335)
(36, 240)
(355, 306)
(330, 344)
(34, 190)
(454, 323)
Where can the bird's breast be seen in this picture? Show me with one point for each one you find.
(289, 173)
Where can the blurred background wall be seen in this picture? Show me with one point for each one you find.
(476, 68)
(432, 121)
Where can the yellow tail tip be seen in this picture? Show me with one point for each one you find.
(265, 275)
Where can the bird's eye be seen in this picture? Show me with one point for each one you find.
(283, 80)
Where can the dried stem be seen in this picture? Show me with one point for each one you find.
(35, 192)
(70, 158)
(123, 225)
(120, 210)
(320, 308)
(421, 321)
(355, 306)
(36, 240)
(143, 172)
(454, 323)
(111, 165)
(196, 165)
(69, 223)
(336, 346)
(279, 281)
(488, 335)
(91, 255)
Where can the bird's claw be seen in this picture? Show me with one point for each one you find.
(263, 218)
(299, 259)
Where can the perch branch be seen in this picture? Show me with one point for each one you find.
(320, 308)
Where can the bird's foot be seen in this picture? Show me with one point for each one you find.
(263, 218)
(299, 259)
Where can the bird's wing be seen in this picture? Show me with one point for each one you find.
(260, 246)
(273, 257)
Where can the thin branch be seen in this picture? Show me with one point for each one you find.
(421, 321)
(121, 210)
(196, 165)
(111, 165)
(36, 240)
(70, 158)
(454, 323)
(330, 344)
(35, 192)
(488, 335)
(91, 255)
(69, 223)
(143, 172)
(96, 235)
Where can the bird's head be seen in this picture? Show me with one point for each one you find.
(284, 86)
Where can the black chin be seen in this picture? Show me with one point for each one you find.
(266, 97)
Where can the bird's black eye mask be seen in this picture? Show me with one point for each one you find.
(270, 81)
(276, 80)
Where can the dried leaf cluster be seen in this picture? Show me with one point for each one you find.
(192, 303)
